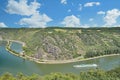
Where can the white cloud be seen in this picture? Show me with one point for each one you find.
(85, 26)
(63, 1)
(101, 12)
(71, 21)
(34, 18)
(2, 24)
(35, 21)
(22, 8)
(69, 10)
(91, 19)
(111, 17)
(90, 4)
(80, 7)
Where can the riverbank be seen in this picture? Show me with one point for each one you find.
(23, 44)
(50, 61)
(73, 60)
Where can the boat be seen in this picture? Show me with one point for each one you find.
(85, 65)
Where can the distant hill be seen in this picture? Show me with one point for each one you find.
(65, 43)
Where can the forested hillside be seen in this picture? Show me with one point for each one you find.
(65, 43)
(90, 75)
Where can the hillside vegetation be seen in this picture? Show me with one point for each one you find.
(65, 43)
(90, 75)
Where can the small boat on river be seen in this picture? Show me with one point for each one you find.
(85, 65)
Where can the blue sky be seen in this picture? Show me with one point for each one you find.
(62, 13)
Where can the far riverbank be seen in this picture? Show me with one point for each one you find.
(51, 61)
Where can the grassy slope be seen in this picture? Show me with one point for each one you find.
(64, 43)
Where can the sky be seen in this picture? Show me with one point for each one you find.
(59, 13)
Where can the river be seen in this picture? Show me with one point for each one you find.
(13, 64)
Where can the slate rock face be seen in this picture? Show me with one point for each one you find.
(52, 50)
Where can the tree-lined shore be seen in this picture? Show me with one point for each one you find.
(95, 74)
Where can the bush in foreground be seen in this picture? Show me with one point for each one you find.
(90, 75)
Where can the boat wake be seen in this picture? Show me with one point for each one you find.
(85, 65)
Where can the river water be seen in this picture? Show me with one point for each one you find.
(13, 64)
